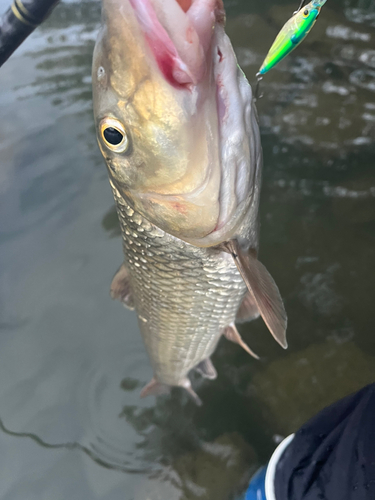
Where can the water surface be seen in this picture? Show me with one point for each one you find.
(72, 361)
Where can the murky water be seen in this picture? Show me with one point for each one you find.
(72, 362)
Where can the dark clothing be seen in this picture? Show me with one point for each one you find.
(332, 457)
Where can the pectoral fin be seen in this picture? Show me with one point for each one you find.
(120, 288)
(206, 369)
(263, 289)
(231, 333)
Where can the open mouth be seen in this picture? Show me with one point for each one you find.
(179, 34)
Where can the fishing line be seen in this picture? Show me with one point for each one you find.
(300, 6)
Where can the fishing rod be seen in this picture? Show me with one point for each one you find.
(21, 19)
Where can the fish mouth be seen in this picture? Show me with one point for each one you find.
(179, 34)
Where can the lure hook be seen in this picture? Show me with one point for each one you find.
(257, 93)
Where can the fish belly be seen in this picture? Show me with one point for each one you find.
(184, 295)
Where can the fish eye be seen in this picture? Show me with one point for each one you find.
(306, 12)
(114, 135)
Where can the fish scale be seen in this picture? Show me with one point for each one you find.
(184, 295)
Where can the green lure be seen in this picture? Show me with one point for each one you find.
(292, 34)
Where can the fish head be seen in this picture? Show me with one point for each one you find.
(174, 116)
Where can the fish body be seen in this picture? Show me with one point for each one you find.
(292, 34)
(185, 295)
(177, 127)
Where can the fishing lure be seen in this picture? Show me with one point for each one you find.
(292, 34)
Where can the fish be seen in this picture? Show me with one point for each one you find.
(178, 129)
(292, 34)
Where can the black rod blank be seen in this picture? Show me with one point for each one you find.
(22, 17)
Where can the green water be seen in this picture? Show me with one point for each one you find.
(71, 360)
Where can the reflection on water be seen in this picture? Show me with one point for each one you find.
(72, 361)
(312, 379)
(361, 11)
